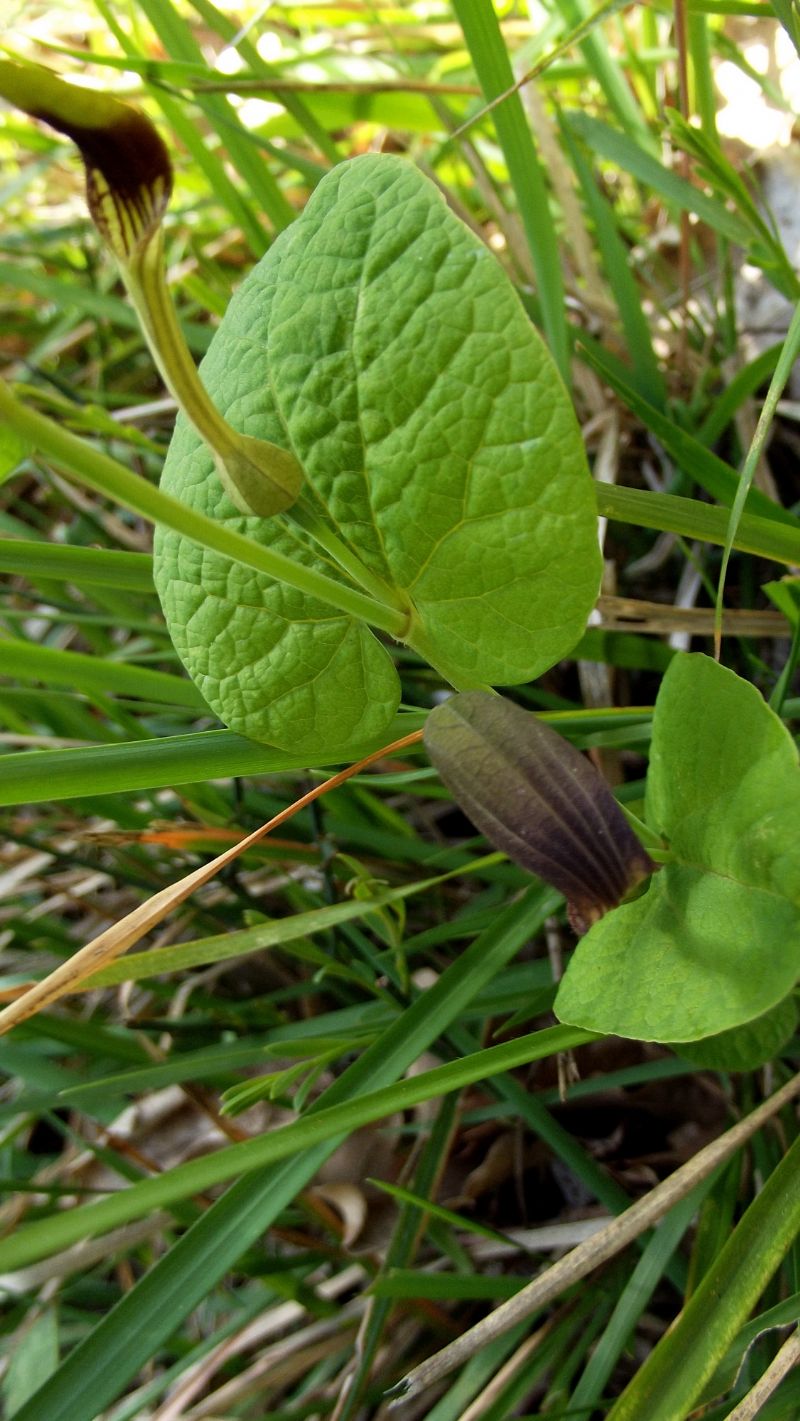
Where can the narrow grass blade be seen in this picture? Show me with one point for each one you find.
(131, 929)
(98, 1369)
(604, 1245)
(619, 148)
(92, 567)
(744, 384)
(293, 103)
(47, 1236)
(709, 471)
(176, 36)
(479, 22)
(615, 84)
(645, 374)
(673, 1376)
(79, 672)
(765, 537)
(37, 776)
(635, 1297)
(783, 370)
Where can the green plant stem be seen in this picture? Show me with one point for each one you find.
(306, 518)
(647, 836)
(258, 476)
(90, 466)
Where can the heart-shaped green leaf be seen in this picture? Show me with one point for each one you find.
(381, 342)
(715, 940)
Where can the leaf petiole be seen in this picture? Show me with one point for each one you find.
(99, 471)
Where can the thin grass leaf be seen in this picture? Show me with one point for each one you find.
(131, 929)
(709, 471)
(37, 776)
(30, 662)
(604, 1245)
(619, 148)
(613, 82)
(59, 1231)
(264, 936)
(783, 370)
(91, 567)
(730, 400)
(99, 1367)
(635, 1297)
(177, 38)
(493, 68)
(765, 537)
(293, 103)
(673, 1376)
(645, 376)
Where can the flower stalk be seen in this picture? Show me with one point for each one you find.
(128, 187)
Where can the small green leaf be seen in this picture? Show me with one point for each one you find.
(382, 342)
(715, 940)
(537, 799)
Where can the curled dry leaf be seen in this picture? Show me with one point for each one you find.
(349, 1202)
(537, 799)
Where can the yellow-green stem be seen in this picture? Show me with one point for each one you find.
(258, 476)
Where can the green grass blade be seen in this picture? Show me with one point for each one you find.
(47, 1236)
(710, 472)
(619, 148)
(645, 374)
(177, 38)
(90, 567)
(614, 84)
(98, 1369)
(293, 103)
(493, 68)
(180, 956)
(73, 669)
(37, 776)
(670, 513)
(673, 1376)
(744, 384)
(783, 371)
(644, 1279)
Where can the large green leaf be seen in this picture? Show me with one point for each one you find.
(381, 341)
(715, 940)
